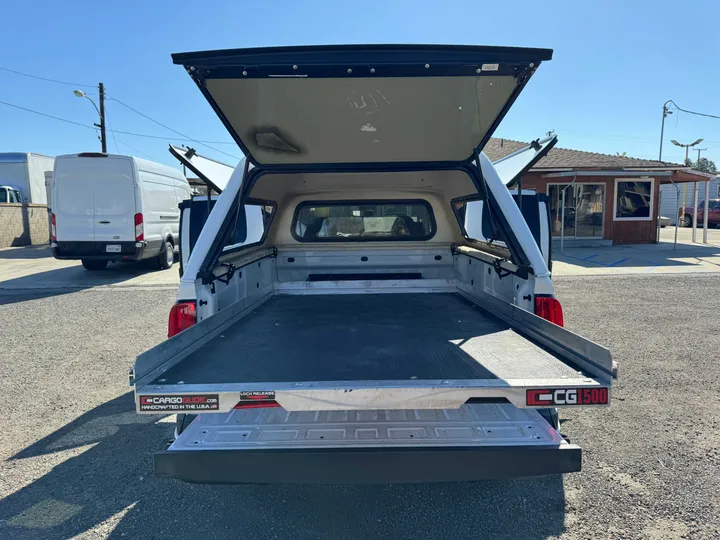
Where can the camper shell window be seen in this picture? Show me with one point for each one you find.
(363, 221)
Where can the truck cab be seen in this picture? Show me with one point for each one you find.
(368, 300)
(10, 194)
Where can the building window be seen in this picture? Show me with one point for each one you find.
(634, 199)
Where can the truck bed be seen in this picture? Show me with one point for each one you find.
(367, 337)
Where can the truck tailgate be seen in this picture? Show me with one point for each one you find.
(379, 351)
(475, 442)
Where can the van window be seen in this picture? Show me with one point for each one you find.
(3, 195)
(15, 196)
(353, 221)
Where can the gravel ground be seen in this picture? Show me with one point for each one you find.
(76, 459)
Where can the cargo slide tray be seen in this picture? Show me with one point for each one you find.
(403, 350)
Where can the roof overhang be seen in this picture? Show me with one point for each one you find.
(619, 172)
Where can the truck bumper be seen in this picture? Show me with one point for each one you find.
(97, 251)
(366, 465)
(259, 445)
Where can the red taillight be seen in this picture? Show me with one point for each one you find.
(182, 317)
(256, 404)
(549, 309)
(139, 229)
(53, 228)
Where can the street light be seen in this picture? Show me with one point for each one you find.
(100, 111)
(686, 146)
(81, 94)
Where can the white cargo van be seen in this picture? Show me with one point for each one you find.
(115, 208)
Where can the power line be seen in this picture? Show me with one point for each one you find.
(135, 149)
(46, 115)
(47, 79)
(174, 130)
(144, 135)
(112, 132)
(693, 112)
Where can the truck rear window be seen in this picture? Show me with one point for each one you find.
(369, 221)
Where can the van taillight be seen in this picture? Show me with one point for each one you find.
(182, 317)
(53, 228)
(549, 309)
(139, 229)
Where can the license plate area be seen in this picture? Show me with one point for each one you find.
(113, 248)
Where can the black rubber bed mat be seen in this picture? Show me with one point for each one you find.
(366, 337)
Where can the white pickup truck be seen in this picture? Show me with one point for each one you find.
(368, 301)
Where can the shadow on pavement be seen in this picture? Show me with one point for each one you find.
(650, 255)
(74, 278)
(27, 252)
(112, 480)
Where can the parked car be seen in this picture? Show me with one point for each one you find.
(115, 208)
(664, 221)
(686, 214)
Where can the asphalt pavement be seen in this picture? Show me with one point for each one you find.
(76, 459)
(34, 267)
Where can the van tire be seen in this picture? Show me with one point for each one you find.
(167, 256)
(93, 264)
(687, 221)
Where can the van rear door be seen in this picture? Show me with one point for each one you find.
(94, 198)
(73, 201)
(114, 192)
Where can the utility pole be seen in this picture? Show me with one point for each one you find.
(103, 140)
(100, 111)
(695, 200)
(706, 204)
(666, 112)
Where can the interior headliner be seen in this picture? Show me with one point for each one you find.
(449, 184)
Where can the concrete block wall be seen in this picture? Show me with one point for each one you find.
(23, 225)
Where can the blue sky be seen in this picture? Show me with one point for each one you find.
(614, 65)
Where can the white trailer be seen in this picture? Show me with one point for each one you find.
(26, 172)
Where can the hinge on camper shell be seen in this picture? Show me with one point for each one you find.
(198, 75)
(501, 272)
(524, 73)
(227, 276)
(207, 277)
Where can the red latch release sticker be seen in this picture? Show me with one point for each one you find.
(550, 397)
